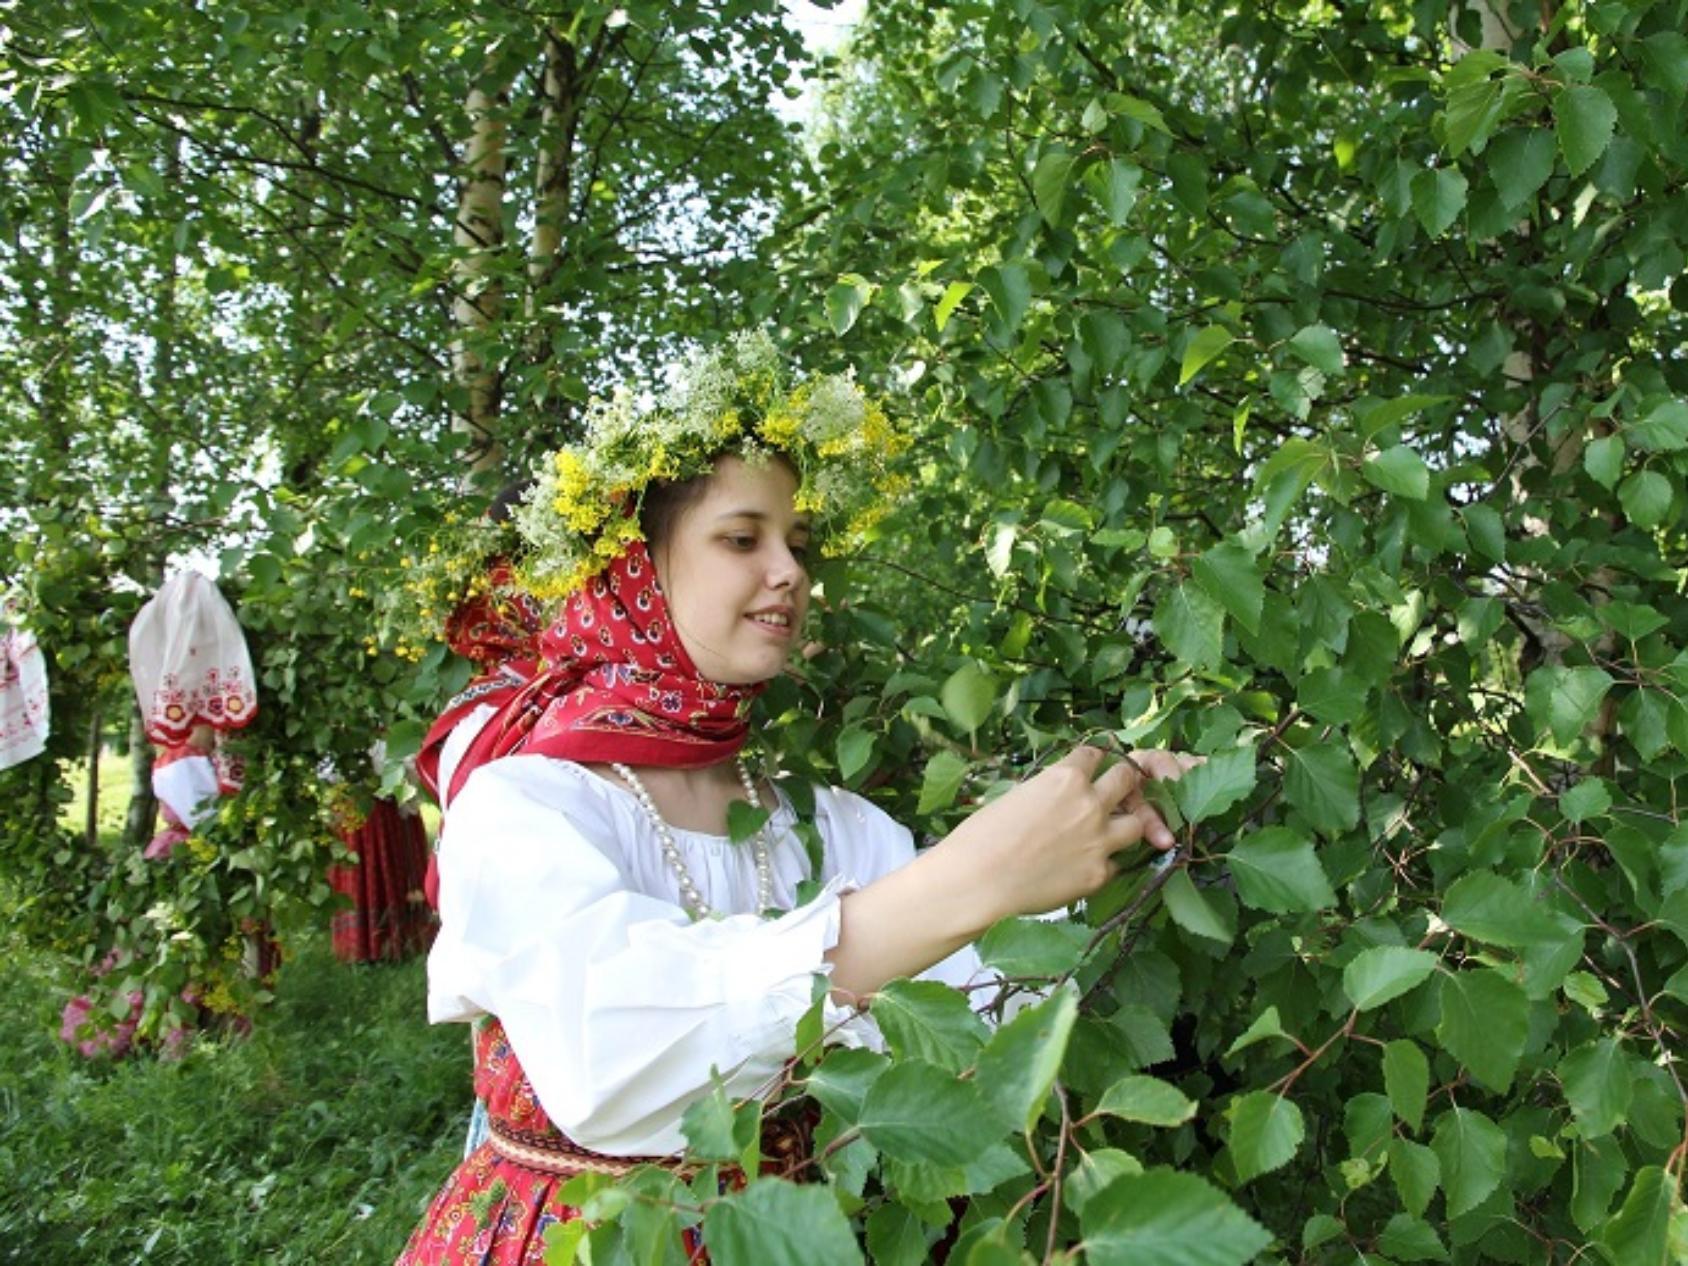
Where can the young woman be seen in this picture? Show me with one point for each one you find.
(590, 900)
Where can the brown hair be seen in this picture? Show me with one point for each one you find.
(663, 504)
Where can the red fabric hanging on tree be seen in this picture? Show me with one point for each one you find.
(389, 919)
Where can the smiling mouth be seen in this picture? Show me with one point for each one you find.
(772, 620)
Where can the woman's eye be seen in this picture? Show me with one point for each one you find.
(742, 542)
(800, 551)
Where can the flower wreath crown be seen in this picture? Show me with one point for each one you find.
(582, 510)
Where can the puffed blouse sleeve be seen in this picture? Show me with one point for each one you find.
(617, 1003)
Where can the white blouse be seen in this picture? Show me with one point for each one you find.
(559, 915)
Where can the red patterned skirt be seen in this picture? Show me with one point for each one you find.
(389, 918)
(502, 1199)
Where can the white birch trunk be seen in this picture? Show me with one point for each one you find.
(479, 234)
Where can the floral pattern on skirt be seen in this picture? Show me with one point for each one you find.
(495, 1211)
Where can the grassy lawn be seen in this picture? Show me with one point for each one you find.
(320, 1138)
(114, 795)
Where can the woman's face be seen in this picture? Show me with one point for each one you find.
(734, 569)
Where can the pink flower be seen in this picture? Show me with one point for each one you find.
(114, 1042)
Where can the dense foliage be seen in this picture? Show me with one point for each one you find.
(1310, 390)
(1300, 385)
(249, 325)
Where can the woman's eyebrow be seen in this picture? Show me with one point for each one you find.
(802, 524)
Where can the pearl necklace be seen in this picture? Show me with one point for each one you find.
(671, 851)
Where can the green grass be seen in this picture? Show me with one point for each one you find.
(318, 1139)
(114, 795)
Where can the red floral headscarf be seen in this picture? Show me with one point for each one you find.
(615, 684)
(499, 632)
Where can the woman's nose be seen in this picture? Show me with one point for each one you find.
(784, 569)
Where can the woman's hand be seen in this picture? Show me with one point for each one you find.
(1051, 840)
(1057, 836)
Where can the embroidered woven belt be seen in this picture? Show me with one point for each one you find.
(785, 1141)
(555, 1153)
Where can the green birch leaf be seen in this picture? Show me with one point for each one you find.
(1049, 184)
(744, 820)
(1398, 470)
(926, 1019)
(1486, 907)
(1115, 185)
(1143, 1035)
(1202, 348)
(1598, 1170)
(951, 299)
(1372, 416)
(1384, 972)
(1230, 576)
(1584, 117)
(1487, 531)
(1471, 1150)
(1266, 1130)
(1664, 55)
(1438, 197)
(840, 1082)
(944, 774)
(1519, 162)
(1094, 1171)
(1165, 1218)
(896, 1237)
(1019, 1063)
(844, 303)
(1145, 112)
(1275, 869)
(1010, 290)
(969, 695)
(1640, 1233)
(1267, 1026)
(1032, 947)
(710, 1125)
(1148, 1100)
(1191, 625)
(1472, 110)
(1215, 785)
(1406, 1079)
(772, 1222)
(1192, 911)
(1645, 497)
(1415, 1172)
(1321, 781)
(1319, 1229)
(1332, 695)
(1485, 1021)
(917, 1112)
(1565, 701)
(1588, 799)
(1603, 459)
(1664, 429)
(404, 739)
(1320, 347)
(1409, 1239)
(1106, 338)
(855, 751)
(1598, 1086)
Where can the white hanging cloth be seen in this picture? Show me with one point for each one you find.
(23, 698)
(189, 660)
